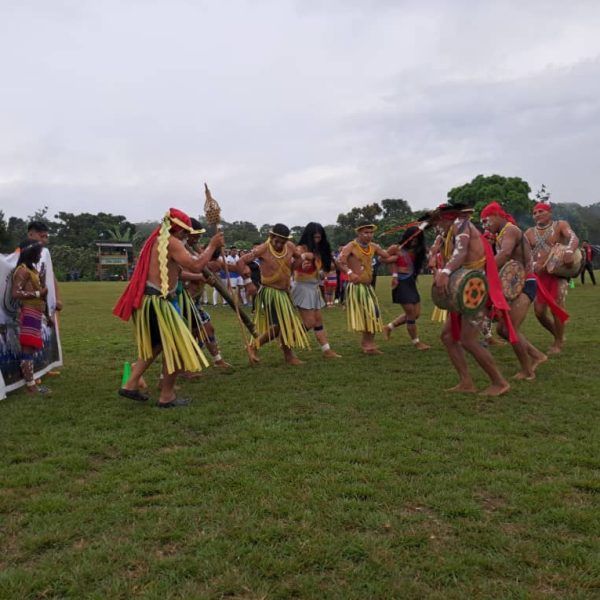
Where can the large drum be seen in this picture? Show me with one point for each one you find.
(512, 278)
(555, 264)
(467, 292)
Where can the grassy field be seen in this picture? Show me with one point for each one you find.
(357, 478)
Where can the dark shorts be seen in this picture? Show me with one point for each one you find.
(530, 289)
(406, 292)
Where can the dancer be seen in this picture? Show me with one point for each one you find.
(315, 257)
(30, 290)
(356, 261)
(151, 300)
(551, 290)
(275, 315)
(463, 247)
(511, 245)
(190, 299)
(411, 253)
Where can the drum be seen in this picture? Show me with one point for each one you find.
(555, 262)
(467, 292)
(512, 278)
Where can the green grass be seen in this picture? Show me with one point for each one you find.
(358, 478)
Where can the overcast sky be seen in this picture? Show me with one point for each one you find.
(292, 110)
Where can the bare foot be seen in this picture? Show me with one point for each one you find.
(221, 364)
(252, 353)
(422, 346)
(387, 332)
(294, 360)
(142, 384)
(496, 390)
(536, 362)
(463, 388)
(373, 351)
(192, 374)
(521, 376)
(554, 349)
(493, 341)
(331, 354)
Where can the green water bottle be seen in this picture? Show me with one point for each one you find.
(126, 374)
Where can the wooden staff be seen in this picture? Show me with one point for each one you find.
(212, 213)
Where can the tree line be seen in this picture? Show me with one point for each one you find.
(73, 236)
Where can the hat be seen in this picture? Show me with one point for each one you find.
(280, 230)
(543, 206)
(365, 225)
(450, 211)
(197, 228)
(179, 218)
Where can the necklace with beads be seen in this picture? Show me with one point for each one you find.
(275, 253)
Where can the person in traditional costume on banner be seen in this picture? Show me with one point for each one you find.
(551, 289)
(150, 299)
(411, 255)
(29, 289)
(315, 258)
(190, 299)
(362, 305)
(511, 245)
(275, 315)
(465, 248)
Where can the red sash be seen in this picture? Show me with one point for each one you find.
(547, 293)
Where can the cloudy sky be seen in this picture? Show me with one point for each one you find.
(292, 110)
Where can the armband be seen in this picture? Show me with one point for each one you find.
(37, 293)
(349, 272)
(447, 271)
(247, 280)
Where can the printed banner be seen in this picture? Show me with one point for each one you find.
(50, 356)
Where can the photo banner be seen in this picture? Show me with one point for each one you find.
(50, 356)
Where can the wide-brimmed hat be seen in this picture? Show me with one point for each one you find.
(197, 228)
(365, 225)
(281, 230)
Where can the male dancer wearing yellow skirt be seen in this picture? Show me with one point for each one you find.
(356, 260)
(275, 314)
(151, 302)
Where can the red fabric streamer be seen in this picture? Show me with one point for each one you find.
(496, 295)
(542, 206)
(547, 293)
(131, 298)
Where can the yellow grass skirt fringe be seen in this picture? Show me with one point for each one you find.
(180, 350)
(275, 307)
(189, 313)
(362, 308)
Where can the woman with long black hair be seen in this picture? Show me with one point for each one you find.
(316, 258)
(411, 256)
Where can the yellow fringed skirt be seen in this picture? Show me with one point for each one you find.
(362, 308)
(157, 321)
(274, 307)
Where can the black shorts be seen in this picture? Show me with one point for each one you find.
(406, 292)
(530, 288)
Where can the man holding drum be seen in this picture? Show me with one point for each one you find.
(552, 289)
(514, 259)
(463, 248)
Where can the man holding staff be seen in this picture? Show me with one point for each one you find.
(551, 290)
(150, 299)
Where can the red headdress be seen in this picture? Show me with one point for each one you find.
(493, 209)
(132, 296)
(543, 206)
